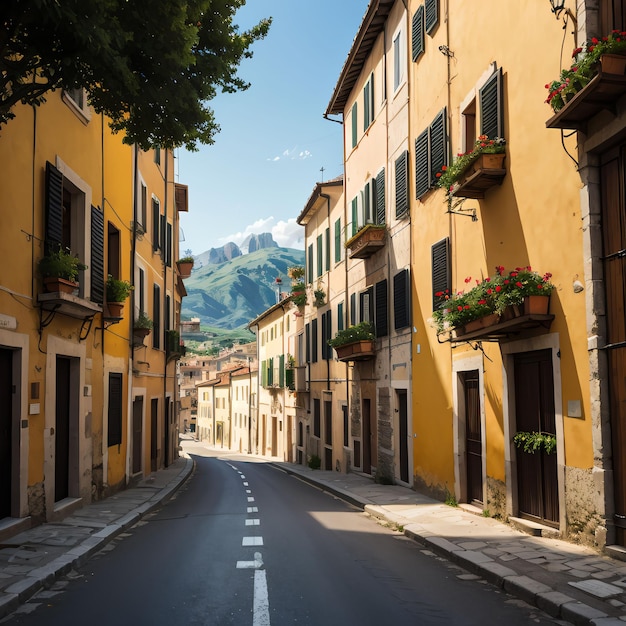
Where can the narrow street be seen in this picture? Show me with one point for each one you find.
(244, 543)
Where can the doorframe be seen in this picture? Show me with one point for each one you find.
(460, 365)
(509, 350)
(80, 477)
(20, 344)
(405, 386)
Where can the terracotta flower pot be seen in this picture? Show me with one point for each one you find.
(536, 305)
(115, 308)
(56, 285)
(613, 64)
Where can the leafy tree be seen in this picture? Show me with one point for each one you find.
(151, 66)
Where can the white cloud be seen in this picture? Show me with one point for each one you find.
(292, 154)
(287, 234)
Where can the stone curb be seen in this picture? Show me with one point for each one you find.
(21, 591)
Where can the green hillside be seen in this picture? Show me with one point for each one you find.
(231, 294)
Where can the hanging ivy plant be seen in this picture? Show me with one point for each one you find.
(531, 442)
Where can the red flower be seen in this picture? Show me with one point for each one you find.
(438, 174)
(540, 286)
(498, 288)
(444, 167)
(594, 40)
(506, 281)
(467, 306)
(459, 308)
(519, 284)
(468, 279)
(490, 291)
(482, 302)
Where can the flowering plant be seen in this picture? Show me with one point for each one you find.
(352, 334)
(450, 174)
(490, 295)
(584, 67)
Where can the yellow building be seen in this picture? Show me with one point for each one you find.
(68, 185)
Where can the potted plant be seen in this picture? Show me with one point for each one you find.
(487, 154)
(59, 270)
(142, 326)
(185, 265)
(116, 292)
(532, 442)
(319, 295)
(606, 55)
(354, 343)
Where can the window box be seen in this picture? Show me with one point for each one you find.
(361, 350)
(485, 172)
(370, 239)
(68, 304)
(600, 93)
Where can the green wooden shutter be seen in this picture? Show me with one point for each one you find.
(338, 240)
(156, 223)
(340, 316)
(367, 204)
(320, 255)
(490, 97)
(355, 130)
(431, 14)
(307, 338)
(310, 264)
(53, 208)
(402, 192)
(441, 268)
(417, 33)
(314, 341)
(264, 373)
(366, 106)
(438, 153)
(168, 245)
(96, 264)
(379, 186)
(355, 215)
(401, 300)
(353, 309)
(422, 176)
(381, 317)
(281, 370)
(156, 316)
(327, 255)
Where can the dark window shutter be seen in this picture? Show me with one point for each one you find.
(354, 125)
(314, 341)
(310, 264)
(168, 322)
(54, 208)
(270, 371)
(382, 317)
(162, 237)
(327, 251)
(355, 215)
(264, 373)
(156, 316)
(281, 370)
(340, 316)
(490, 97)
(329, 333)
(401, 300)
(367, 203)
(441, 268)
(156, 223)
(402, 192)
(353, 309)
(422, 176)
(366, 106)
(417, 33)
(115, 410)
(307, 341)
(379, 195)
(96, 265)
(168, 246)
(438, 152)
(320, 255)
(431, 14)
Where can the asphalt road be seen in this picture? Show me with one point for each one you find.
(244, 543)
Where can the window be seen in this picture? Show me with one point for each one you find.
(327, 249)
(401, 300)
(366, 302)
(314, 341)
(168, 245)
(340, 320)
(355, 215)
(381, 315)
(76, 100)
(157, 155)
(417, 34)
(368, 102)
(430, 154)
(346, 422)
(354, 125)
(367, 203)
(156, 223)
(143, 207)
(338, 243)
(379, 196)
(113, 251)
(327, 330)
(156, 317)
(353, 309)
(139, 293)
(115, 410)
(431, 15)
(490, 99)
(402, 191)
(74, 225)
(441, 268)
(316, 417)
(398, 60)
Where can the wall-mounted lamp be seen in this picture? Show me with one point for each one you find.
(558, 7)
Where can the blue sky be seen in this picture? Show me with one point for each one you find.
(273, 142)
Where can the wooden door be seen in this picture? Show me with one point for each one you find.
(62, 430)
(614, 266)
(403, 432)
(154, 434)
(328, 435)
(473, 437)
(537, 479)
(137, 435)
(6, 431)
(367, 437)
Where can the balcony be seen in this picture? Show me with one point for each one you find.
(362, 350)
(369, 240)
(486, 171)
(601, 93)
(174, 349)
(68, 304)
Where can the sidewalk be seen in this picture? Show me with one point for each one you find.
(37, 557)
(567, 581)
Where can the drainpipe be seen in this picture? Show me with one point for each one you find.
(166, 420)
(133, 253)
